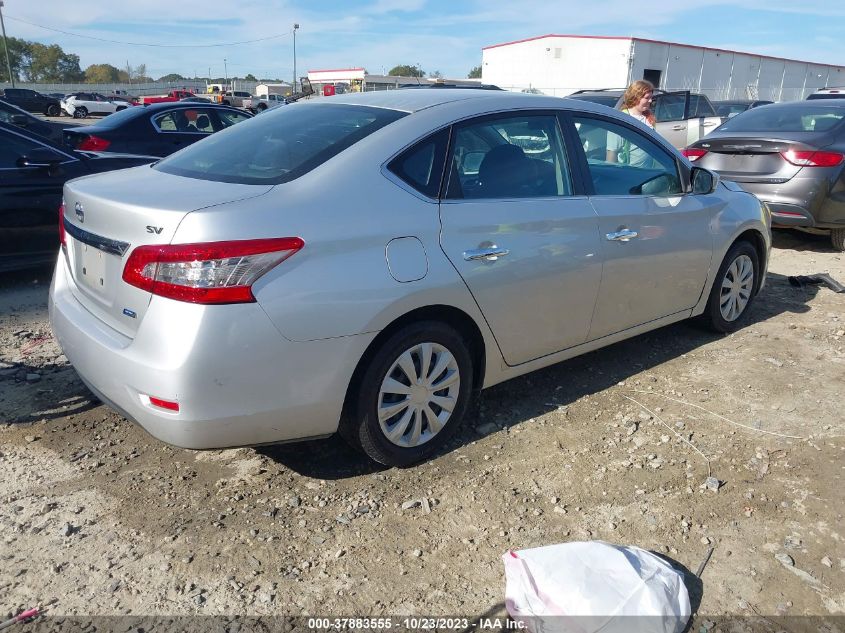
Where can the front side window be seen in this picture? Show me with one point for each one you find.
(229, 118)
(670, 107)
(625, 162)
(185, 120)
(519, 156)
(278, 146)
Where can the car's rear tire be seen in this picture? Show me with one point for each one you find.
(401, 412)
(262, 107)
(80, 113)
(53, 110)
(733, 289)
(837, 238)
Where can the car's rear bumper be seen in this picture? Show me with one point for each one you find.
(237, 380)
(803, 201)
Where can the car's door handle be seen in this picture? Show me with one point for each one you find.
(488, 254)
(709, 124)
(623, 235)
(679, 127)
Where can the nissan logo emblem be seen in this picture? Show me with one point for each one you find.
(79, 212)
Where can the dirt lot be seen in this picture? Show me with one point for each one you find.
(96, 517)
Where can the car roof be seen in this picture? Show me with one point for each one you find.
(416, 100)
(180, 104)
(814, 103)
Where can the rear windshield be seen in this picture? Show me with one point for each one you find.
(278, 146)
(812, 118)
(119, 118)
(827, 95)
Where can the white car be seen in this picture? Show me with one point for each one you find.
(80, 104)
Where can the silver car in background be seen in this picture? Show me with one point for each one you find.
(228, 296)
(792, 156)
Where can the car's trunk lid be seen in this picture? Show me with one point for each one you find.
(754, 159)
(108, 215)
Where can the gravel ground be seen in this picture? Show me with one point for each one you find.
(98, 518)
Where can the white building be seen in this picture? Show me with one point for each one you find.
(561, 64)
(262, 90)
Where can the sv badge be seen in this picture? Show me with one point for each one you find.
(155, 229)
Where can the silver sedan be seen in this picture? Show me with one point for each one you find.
(363, 264)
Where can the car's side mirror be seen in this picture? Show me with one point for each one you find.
(703, 181)
(20, 119)
(41, 157)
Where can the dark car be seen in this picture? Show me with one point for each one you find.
(158, 129)
(13, 115)
(791, 156)
(32, 173)
(32, 101)
(728, 109)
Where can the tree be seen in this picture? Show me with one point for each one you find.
(475, 73)
(406, 70)
(18, 57)
(172, 77)
(250, 77)
(103, 74)
(436, 75)
(139, 74)
(50, 64)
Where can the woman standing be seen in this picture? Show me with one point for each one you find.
(636, 102)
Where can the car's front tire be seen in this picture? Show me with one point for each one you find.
(80, 113)
(837, 239)
(53, 110)
(412, 395)
(733, 289)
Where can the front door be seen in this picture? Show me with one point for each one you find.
(656, 239)
(524, 244)
(29, 205)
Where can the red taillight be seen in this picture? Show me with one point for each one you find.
(811, 158)
(164, 404)
(93, 144)
(62, 236)
(213, 272)
(693, 153)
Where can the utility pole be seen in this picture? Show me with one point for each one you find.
(225, 75)
(293, 85)
(6, 47)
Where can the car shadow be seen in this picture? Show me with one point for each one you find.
(510, 403)
(791, 239)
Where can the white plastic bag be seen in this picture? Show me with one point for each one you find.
(594, 586)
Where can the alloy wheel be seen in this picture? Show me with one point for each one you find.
(418, 394)
(737, 287)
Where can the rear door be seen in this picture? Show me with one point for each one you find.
(656, 241)
(671, 111)
(701, 108)
(519, 233)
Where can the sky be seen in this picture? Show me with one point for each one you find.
(436, 35)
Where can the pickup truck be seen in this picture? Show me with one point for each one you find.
(32, 101)
(173, 95)
(262, 102)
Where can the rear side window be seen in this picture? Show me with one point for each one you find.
(700, 106)
(421, 166)
(278, 146)
(812, 118)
